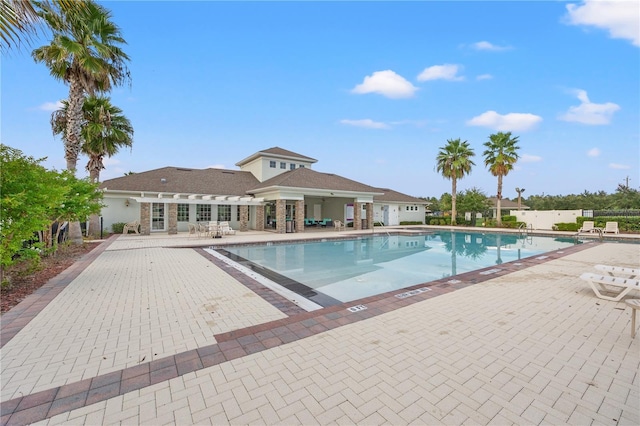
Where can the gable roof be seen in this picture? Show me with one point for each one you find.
(185, 181)
(506, 203)
(276, 152)
(307, 178)
(394, 196)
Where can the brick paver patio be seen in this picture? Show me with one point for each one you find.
(145, 332)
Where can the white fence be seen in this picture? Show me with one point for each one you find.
(545, 219)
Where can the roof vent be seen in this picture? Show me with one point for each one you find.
(229, 173)
(163, 180)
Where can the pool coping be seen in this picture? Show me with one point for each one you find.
(230, 345)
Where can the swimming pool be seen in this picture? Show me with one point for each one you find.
(330, 272)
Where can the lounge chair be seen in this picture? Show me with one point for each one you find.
(131, 226)
(339, 225)
(604, 283)
(618, 271)
(610, 227)
(588, 226)
(193, 229)
(225, 229)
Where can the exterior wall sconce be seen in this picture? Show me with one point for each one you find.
(126, 203)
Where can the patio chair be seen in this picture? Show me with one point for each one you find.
(324, 222)
(193, 229)
(339, 225)
(616, 286)
(588, 226)
(131, 226)
(611, 227)
(203, 230)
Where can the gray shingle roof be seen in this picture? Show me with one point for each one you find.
(307, 178)
(394, 196)
(185, 181)
(505, 203)
(279, 153)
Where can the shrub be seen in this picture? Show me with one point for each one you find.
(414, 222)
(571, 227)
(509, 219)
(117, 227)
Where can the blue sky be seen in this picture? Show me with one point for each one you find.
(371, 90)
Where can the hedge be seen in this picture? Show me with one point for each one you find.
(625, 223)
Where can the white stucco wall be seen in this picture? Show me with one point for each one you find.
(545, 219)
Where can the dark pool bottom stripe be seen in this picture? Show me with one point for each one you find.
(239, 343)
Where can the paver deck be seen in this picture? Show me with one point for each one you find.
(152, 334)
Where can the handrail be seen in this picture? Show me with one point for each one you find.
(524, 229)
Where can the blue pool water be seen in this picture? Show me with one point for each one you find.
(335, 271)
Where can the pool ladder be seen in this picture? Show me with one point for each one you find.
(524, 230)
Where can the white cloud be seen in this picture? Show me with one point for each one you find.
(367, 123)
(50, 106)
(111, 161)
(593, 152)
(619, 166)
(441, 72)
(484, 77)
(485, 45)
(588, 112)
(217, 166)
(514, 121)
(620, 18)
(527, 158)
(386, 83)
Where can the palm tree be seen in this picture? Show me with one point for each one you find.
(19, 19)
(454, 162)
(104, 131)
(85, 53)
(519, 191)
(500, 156)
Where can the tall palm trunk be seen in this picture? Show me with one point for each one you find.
(453, 199)
(499, 201)
(73, 141)
(94, 167)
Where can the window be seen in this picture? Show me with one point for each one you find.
(183, 212)
(283, 165)
(272, 164)
(301, 166)
(203, 212)
(224, 213)
(157, 216)
(292, 166)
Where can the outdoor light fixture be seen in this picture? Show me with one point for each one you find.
(126, 203)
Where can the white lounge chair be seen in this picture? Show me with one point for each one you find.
(618, 287)
(193, 229)
(339, 225)
(588, 226)
(610, 227)
(226, 229)
(617, 271)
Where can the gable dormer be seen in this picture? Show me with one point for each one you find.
(271, 162)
